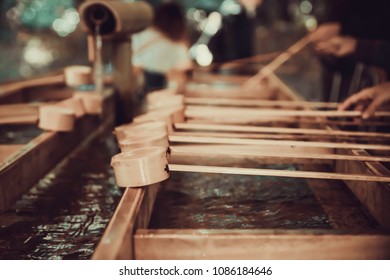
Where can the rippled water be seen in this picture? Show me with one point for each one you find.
(217, 201)
(18, 134)
(65, 214)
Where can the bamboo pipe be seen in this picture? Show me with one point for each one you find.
(147, 166)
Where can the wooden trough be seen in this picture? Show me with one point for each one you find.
(129, 236)
(22, 165)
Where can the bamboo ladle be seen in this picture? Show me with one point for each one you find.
(156, 134)
(146, 166)
(175, 118)
(133, 150)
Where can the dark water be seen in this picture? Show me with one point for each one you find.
(18, 134)
(218, 201)
(65, 214)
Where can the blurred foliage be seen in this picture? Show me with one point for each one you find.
(38, 14)
(206, 5)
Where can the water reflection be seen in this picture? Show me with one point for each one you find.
(218, 201)
(65, 214)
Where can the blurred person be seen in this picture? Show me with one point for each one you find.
(160, 53)
(357, 18)
(369, 100)
(360, 19)
(371, 52)
(234, 40)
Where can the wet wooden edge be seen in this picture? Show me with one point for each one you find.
(374, 196)
(7, 90)
(260, 244)
(26, 166)
(133, 212)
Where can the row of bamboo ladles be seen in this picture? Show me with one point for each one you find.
(148, 142)
(55, 116)
(62, 115)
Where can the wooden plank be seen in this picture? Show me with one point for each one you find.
(48, 93)
(375, 197)
(340, 206)
(20, 113)
(24, 119)
(28, 113)
(34, 82)
(9, 89)
(133, 211)
(147, 204)
(116, 242)
(19, 109)
(6, 151)
(259, 245)
(37, 157)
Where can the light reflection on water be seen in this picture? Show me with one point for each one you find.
(65, 214)
(218, 201)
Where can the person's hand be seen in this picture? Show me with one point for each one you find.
(368, 100)
(325, 32)
(339, 46)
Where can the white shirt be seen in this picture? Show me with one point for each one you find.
(152, 51)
